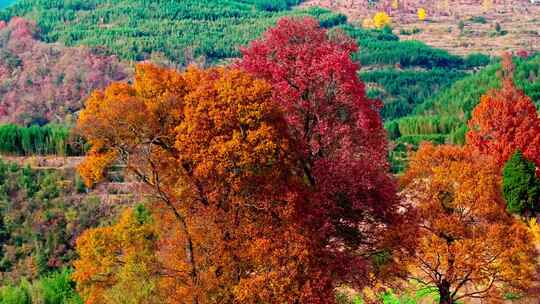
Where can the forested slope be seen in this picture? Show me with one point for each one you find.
(41, 82)
(140, 29)
(404, 74)
(442, 117)
(42, 212)
(401, 73)
(449, 110)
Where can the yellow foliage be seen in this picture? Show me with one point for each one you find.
(118, 262)
(368, 23)
(381, 19)
(535, 230)
(422, 14)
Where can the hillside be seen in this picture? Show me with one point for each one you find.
(455, 103)
(442, 117)
(44, 208)
(269, 151)
(404, 74)
(42, 82)
(171, 35)
(182, 31)
(518, 21)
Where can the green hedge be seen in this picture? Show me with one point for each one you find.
(38, 140)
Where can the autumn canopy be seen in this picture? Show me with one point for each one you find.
(267, 181)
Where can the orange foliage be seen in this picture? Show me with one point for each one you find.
(505, 120)
(96, 163)
(212, 148)
(469, 247)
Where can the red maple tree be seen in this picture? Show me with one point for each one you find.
(350, 201)
(505, 120)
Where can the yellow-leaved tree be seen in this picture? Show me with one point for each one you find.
(119, 260)
(381, 19)
(422, 14)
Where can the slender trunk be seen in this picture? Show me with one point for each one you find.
(444, 291)
(190, 258)
(444, 286)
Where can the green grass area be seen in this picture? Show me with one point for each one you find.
(390, 297)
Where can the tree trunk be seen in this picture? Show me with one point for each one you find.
(444, 291)
(189, 256)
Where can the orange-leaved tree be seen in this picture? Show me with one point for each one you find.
(468, 247)
(504, 121)
(212, 149)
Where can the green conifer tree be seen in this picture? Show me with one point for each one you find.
(521, 187)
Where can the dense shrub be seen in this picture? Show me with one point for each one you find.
(57, 288)
(426, 125)
(407, 54)
(479, 19)
(365, 35)
(477, 60)
(457, 136)
(392, 129)
(274, 5)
